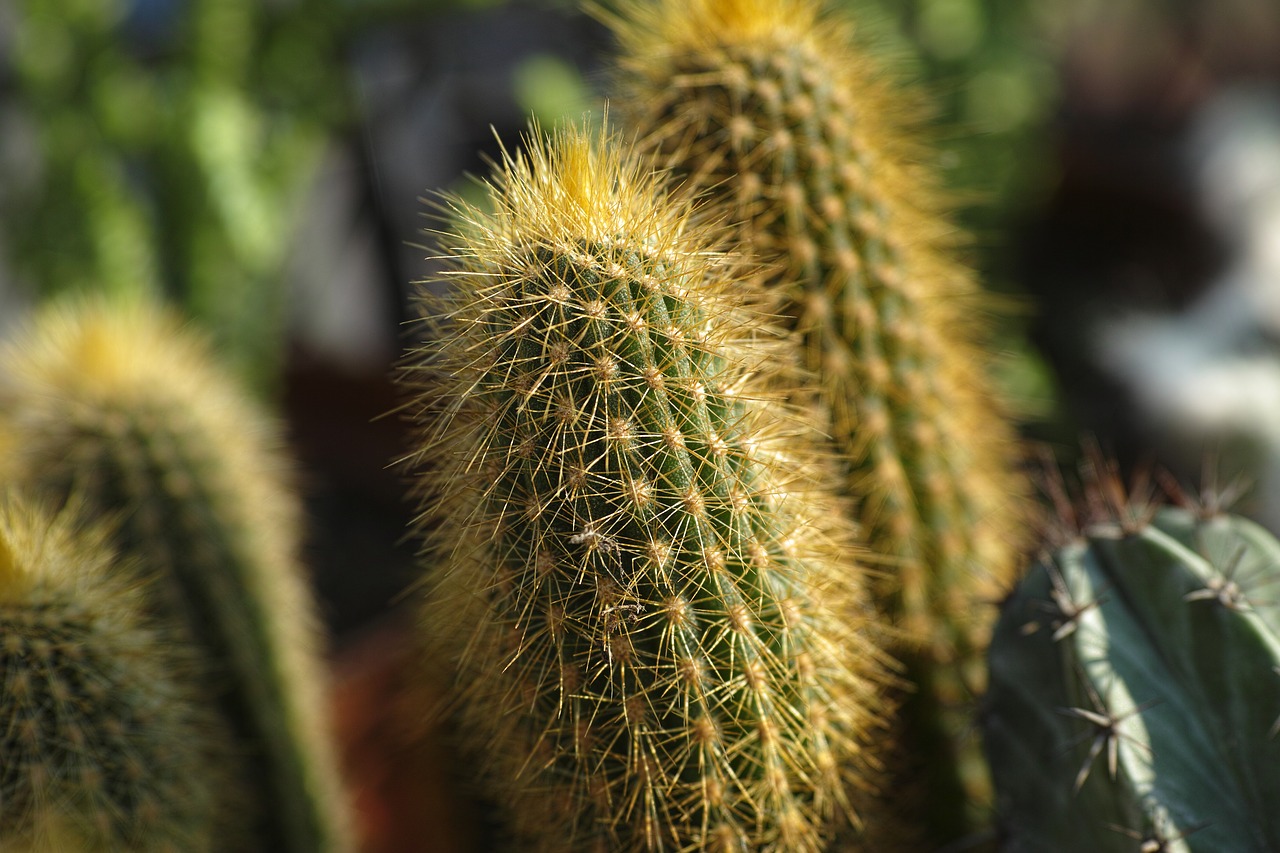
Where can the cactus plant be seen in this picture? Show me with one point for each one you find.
(772, 112)
(121, 407)
(104, 743)
(1135, 690)
(655, 611)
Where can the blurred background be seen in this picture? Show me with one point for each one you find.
(262, 164)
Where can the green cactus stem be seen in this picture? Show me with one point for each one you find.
(656, 612)
(1135, 690)
(773, 114)
(104, 743)
(121, 406)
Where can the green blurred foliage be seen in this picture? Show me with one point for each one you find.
(172, 144)
(990, 69)
(551, 90)
(174, 173)
(173, 141)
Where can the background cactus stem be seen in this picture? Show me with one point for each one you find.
(125, 409)
(105, 741)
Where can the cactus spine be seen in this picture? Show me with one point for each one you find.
(770, 110)
(655, 610)
(1135, 690)
(104, 744)
(121, 407)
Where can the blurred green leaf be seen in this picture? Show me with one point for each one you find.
(551, 89)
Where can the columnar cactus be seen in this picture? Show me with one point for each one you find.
(655, 610)
(123, 409)
(771, 112)
(1135, 690)
(104, 742)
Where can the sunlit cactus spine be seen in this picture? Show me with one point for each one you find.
(1135, 689)
(774, 115)
(105, 743)
(121, 407)
(655, 611)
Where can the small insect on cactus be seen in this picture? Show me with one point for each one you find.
(771, 112)
(1135, 689)
(655, 610)
(122, 408)
(104, 742)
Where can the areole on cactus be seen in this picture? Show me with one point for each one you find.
(657, 615)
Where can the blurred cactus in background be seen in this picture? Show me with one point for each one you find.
(105, 740)
(119, 409)
(172, 147)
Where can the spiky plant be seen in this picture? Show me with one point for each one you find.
(104, 742)
(655, 610)
(1135, 688)
(773, 113)
(119, 405)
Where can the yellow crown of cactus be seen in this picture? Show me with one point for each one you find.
(104, 742)
(770, 111)
(655, 610)
(119, 405)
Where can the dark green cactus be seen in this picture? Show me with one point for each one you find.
(105, 743)
(656, 611)
(1135, 690)
(779, 119)
(121, 407)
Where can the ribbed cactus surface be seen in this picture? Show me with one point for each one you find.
(656, 613)
(1135, 691)
(777, 117)
(125, 410)
(104, 743)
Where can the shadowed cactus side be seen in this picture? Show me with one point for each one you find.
(1135, 690)
(124, 409)
(104, 741)
(656, 614)
(770, 112)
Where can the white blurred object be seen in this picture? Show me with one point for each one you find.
(336, 306)
(1213, 370)
(1237, 148)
